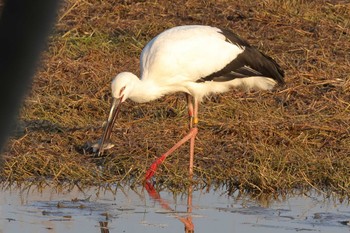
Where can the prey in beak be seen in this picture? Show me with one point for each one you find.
(113, 114)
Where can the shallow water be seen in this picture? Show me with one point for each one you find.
(144, 210)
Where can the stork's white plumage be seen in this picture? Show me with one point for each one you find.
(197, 60)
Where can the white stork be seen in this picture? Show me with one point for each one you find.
(199, 61)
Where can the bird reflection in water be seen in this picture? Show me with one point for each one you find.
(187, 221)
(104, 226)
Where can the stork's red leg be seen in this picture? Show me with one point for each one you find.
(194, 126)
(152, 169)
(193, 115)
(190, 109)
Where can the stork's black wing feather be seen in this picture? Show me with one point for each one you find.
(251, 62)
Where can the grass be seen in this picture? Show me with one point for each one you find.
(296, 137)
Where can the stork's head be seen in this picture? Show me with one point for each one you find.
(122, 86)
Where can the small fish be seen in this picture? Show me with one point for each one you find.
(96, 146)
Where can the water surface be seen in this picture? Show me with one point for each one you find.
(144, 210)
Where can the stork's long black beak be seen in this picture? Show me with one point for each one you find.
(110, 123)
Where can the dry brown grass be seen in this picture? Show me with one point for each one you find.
(268, 142)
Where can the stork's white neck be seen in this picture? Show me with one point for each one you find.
(146, 90)
(131, 87)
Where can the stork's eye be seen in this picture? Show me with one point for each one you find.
(121, 90)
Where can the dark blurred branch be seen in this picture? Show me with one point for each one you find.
(24, 27)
